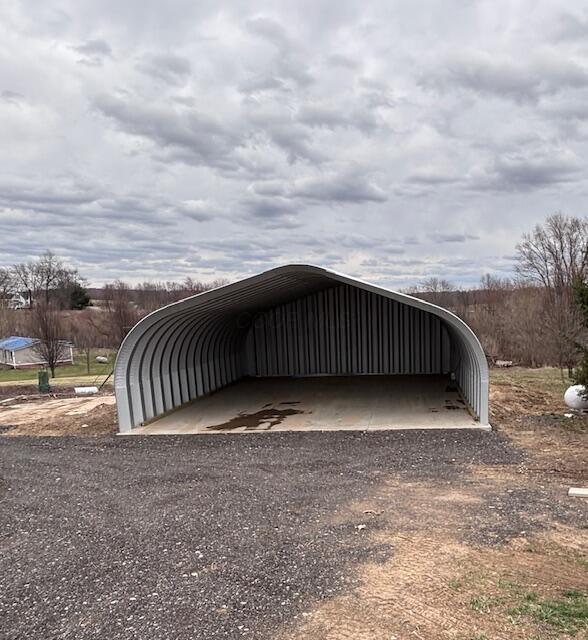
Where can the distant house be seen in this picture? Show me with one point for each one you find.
(15, 301)
(19, 301)
(19, 352)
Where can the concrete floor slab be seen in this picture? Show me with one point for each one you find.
(321, 404)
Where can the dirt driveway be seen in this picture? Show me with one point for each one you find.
(386, 535)
(56, 414)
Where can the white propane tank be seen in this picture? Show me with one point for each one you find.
(102, 359)
(85, 391)
(574, 399)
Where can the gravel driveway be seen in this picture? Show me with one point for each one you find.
(197, 536)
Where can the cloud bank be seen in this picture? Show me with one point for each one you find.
(375, 138)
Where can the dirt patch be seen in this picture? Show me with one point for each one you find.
(441, 584)
(528, 407)
(95, 415)
(9, 390)
(57, 383)
(262, 420)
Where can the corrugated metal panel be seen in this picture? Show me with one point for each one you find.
(293, 320)
(326, 327)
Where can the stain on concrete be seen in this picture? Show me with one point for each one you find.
(262, 420)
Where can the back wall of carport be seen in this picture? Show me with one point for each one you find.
(345, 330)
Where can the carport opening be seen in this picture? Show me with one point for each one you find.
(338, 358)
(361, 402)
(351, 354)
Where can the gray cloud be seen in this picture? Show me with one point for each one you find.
(331, 117)
(200, 138)
(293, 139)
(94, 48)
(260, 207)
(572, 27)
(341, 60)
(92, 52)
(288, 64)
(432, 177)
(11, 97)
(520, 171)
(23, 194)
(159, 141)
(199, 210)
(269, 29)
(258, 83)
(349, 187)
(511, 78)
(170, 68)
(453, 237)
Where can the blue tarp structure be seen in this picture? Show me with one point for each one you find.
(15, 343)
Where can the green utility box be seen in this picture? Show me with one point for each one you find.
(43, 381)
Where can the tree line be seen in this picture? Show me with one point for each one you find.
(46, 280)
(537, 317)
(49, 300)
(533, 318)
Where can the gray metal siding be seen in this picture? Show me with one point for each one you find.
(346, 331)
(293, 320)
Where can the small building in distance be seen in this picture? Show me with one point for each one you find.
(15, 301)
(18, 352)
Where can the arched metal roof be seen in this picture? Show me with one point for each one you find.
(194, 346)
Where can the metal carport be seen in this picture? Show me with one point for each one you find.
(291, 321)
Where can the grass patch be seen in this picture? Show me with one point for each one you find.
(569, 614)
(545, 379)
(483, 604)
(455, 585)
(79, 368)
(510, 585)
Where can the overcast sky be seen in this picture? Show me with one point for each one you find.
(389, 140)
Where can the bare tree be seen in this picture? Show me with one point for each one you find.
(10, 320)
(47, 326)
(153, 295)
(555, 255)
(121, 312)
(190, 286)
(50, 271)
(7, 288)
(85, 334)
(149, 296)
(436, 285)
(525, 339)
(50, 278)
(26, 279)
(436, 290)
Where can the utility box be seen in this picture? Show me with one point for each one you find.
(44, 381)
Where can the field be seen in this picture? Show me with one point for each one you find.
(66, 375)
(420, 535)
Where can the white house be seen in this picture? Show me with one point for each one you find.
(15, 301)
(18, 301)
(19, 352)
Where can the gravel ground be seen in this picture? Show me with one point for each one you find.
(202, 536)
